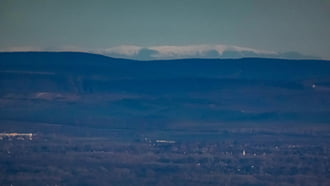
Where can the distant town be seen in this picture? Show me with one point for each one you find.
(16, 136)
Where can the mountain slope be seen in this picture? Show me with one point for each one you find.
(97, 91)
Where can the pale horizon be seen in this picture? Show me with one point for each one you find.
(300, 26)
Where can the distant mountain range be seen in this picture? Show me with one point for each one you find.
(194, 51)
(166, 52)
(74, 88)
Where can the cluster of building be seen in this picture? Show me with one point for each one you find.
(16, 136)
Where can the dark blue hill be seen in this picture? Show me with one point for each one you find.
(88, 89)
(248, 68)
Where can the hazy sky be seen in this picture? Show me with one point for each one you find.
(275, 25)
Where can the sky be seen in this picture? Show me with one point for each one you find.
(267, 25)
